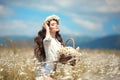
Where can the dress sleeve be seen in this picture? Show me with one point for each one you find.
(47, 40)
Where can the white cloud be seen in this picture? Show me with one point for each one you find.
(5, 11)
(66, 30)
(18, 27)
(93, 24)
(34, 4)
(64, 3)
(78, 10)
(47, 7)
(113, 2)
(76, 6)
(102, 6)
(110, 6)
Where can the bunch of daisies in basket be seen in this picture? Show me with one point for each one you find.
(68, 55)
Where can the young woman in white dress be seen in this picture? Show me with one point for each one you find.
(48, 42)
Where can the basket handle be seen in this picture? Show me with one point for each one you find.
(71, 40)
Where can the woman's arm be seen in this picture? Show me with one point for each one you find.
(47, 39)
(47, 29)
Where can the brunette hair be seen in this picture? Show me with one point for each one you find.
(39, 51)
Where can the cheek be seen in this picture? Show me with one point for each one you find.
(53, 27)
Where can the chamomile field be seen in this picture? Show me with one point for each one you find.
(21, 64)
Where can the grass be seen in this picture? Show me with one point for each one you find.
(20, 64)
(17, 66)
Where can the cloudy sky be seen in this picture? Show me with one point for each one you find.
(94, 18)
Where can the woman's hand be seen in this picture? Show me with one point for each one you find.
(46, 26)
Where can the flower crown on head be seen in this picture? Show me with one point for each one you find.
(52, 17)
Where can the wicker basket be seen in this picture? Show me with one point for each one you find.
(64, 59)
(71, 40)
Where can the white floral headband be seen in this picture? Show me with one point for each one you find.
(52, 17)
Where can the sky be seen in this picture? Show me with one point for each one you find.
(94, 18)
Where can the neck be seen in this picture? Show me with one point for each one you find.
(53, 35)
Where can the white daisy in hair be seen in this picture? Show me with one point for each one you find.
(52, 17)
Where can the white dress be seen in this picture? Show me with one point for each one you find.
(51, 46)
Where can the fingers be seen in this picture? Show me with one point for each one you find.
(46, 26)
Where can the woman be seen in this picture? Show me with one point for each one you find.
(48, 42)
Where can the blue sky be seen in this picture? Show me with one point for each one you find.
(94, 18)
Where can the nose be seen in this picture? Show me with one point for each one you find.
(58, 26)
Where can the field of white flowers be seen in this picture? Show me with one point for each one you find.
(20, 64)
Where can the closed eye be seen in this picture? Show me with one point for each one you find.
(53, 24)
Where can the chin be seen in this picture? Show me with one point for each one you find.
(58, 31)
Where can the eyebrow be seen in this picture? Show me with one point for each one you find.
(54, 23)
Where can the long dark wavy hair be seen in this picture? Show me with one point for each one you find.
(39, 51)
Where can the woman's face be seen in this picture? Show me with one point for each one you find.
(54, 27)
